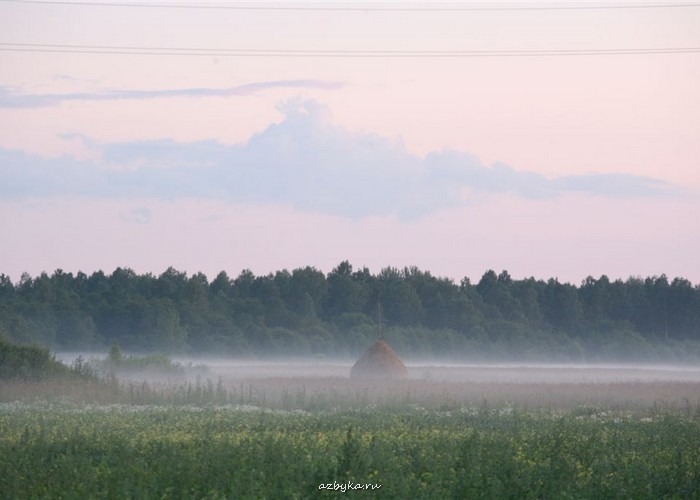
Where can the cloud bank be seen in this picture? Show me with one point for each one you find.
(304, 161)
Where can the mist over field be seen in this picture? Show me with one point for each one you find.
(308, 424)
(289, 340)
(504, 372)
(313, 383)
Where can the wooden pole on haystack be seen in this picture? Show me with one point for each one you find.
(380, 335)
(380, 361)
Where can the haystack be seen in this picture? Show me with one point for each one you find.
(379, 361)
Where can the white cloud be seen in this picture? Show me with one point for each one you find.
(303, 161)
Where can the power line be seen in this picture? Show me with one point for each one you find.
(322, 51)
(218, 52)
(368, 7)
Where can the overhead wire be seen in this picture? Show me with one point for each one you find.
(334, 53)
(364, 7)
(222, 52)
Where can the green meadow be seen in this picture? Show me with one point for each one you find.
(70, 450)
(497, 432)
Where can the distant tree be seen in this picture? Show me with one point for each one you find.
(171, 284)
(561, 305)
(160, 327)
(307, 288)
(400, 303)
(221, 285)
(305, 311)
(526, 293)
(594, 297)
(495, 292)
(345, 293)
(683, 309)
(115, 355)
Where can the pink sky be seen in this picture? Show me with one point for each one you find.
(148, 161)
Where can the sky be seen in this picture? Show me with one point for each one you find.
(554, 140)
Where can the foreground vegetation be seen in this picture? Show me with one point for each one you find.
(72, 434)
(114, 451)
(306, 312)
(76, 435)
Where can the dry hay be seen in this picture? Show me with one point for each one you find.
(379, 361)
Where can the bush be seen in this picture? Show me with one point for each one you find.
(33, 362)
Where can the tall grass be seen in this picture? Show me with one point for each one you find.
(332, 393)
(78, 436)
(244, 452)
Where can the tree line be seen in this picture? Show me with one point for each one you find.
(307, 312)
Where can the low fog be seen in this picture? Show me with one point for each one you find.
(518, 373)
(325, 384)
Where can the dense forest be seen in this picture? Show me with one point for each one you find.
(306, 312)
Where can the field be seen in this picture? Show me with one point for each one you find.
(448, 432)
